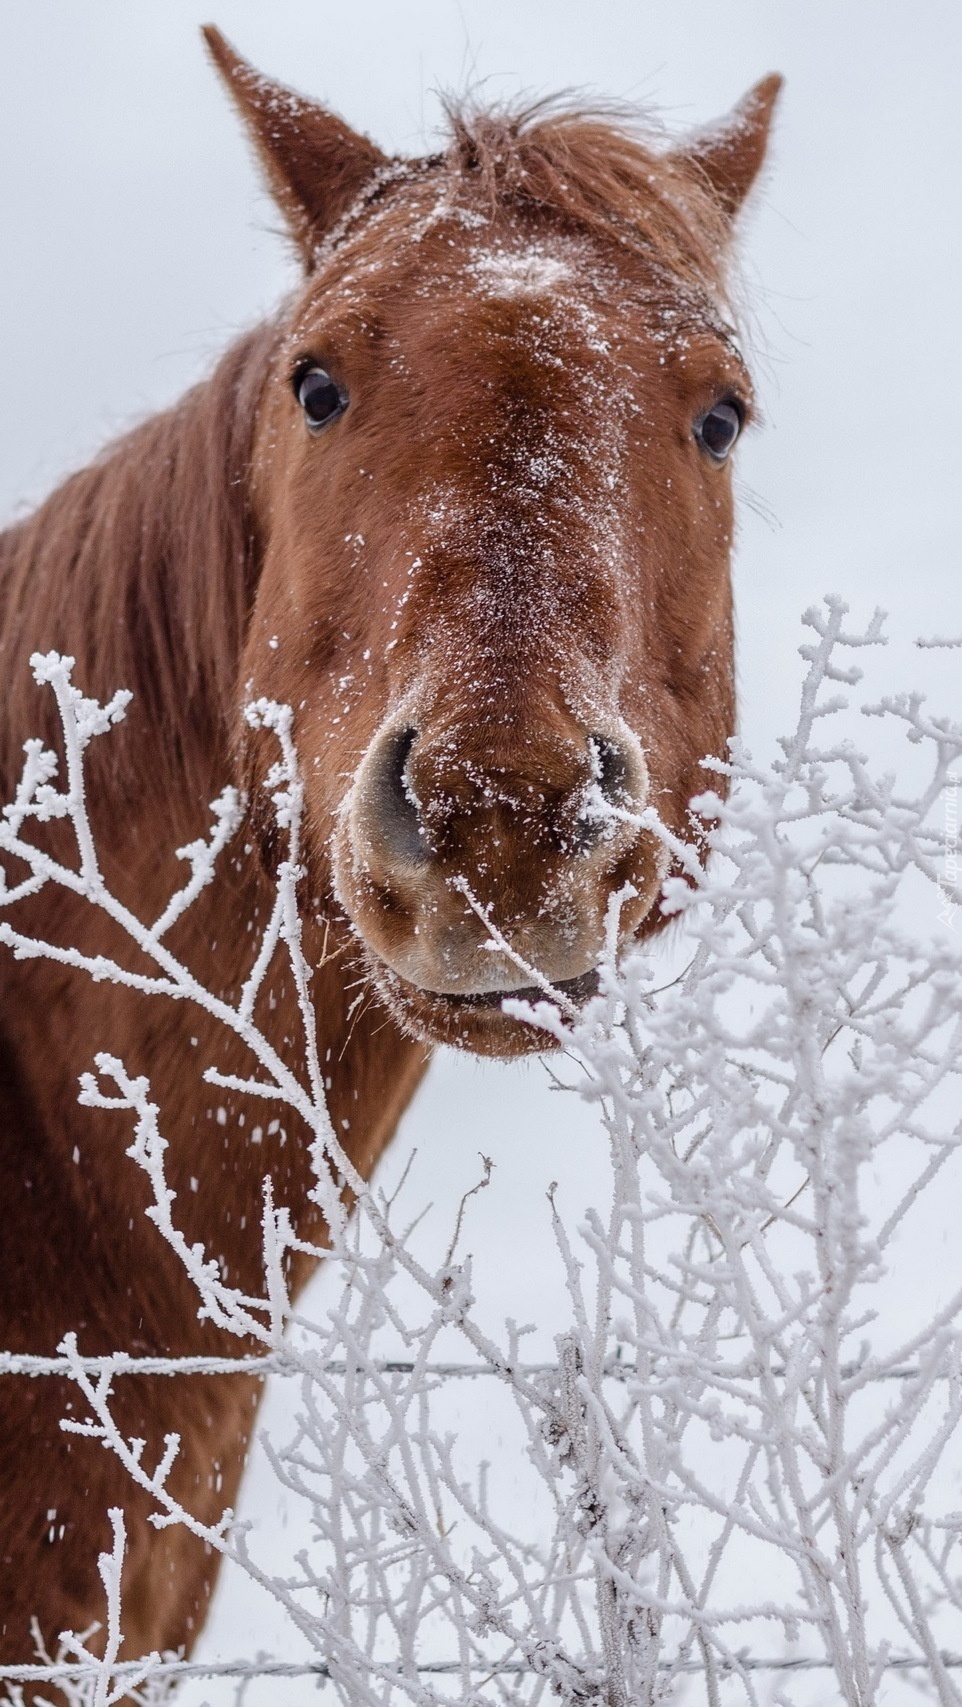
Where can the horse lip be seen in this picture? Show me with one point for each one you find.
(576, 990)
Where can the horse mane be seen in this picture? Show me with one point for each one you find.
(142, 566)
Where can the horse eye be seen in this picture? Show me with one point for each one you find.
(318, 396)
(718, 429)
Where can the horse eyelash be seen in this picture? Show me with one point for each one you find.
(747, 412)
(303, 365)
(299, 368)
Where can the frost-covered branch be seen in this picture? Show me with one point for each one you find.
(744, 1453)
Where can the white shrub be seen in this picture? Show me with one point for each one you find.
(746, 1450)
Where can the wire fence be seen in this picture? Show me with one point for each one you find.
(246, 1670)
(122, 1363)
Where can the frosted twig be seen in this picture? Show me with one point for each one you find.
(739, 1456)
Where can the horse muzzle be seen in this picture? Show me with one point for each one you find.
(475, 866)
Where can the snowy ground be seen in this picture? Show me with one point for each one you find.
(134, 245)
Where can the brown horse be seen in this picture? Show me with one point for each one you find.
(465, 504)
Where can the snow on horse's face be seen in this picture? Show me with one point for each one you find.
(493, 489)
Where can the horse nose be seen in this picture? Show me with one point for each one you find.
(617, 786)
(416, 794)
(536, 825)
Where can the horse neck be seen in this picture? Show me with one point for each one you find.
(141, 567)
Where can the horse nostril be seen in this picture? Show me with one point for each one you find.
(611, 769)
(397, 812)
(610, 785)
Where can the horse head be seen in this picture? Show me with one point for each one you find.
(492, 499)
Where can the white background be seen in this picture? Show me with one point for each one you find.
(135, 243)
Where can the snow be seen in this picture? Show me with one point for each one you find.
(512, 273)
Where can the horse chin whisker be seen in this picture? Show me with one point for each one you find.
(473, 1020)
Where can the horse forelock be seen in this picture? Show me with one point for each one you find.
(603, 173)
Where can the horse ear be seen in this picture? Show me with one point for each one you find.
(728, 157)
(315, 164)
